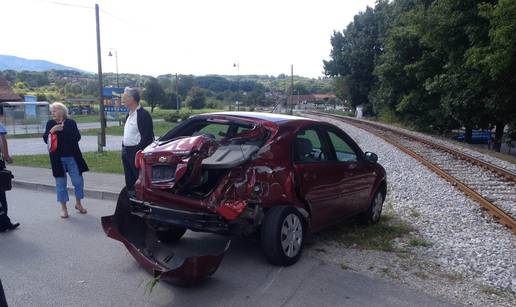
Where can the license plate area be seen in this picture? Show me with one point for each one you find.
(163, 173)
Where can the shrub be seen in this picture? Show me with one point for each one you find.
(177, 117)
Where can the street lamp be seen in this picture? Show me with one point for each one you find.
(237, 65)
(116, 60)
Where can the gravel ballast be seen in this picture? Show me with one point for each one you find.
(466, 242)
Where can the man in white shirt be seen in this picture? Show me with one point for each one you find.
(138, 134)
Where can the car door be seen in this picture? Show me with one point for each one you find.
(355, 177)
(315, 178)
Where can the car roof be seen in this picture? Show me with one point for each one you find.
(271, 117)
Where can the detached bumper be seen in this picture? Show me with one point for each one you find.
(158, 258)
(197, 221)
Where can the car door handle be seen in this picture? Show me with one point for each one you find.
(310, 176)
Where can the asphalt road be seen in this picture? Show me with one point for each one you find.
(55, 262)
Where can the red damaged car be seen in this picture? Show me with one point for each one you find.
(244, 173)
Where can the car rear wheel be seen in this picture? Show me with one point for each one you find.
(170, 234)
(373, 213)
(282, 235)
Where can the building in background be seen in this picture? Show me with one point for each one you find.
(7, 93)
(22, 117)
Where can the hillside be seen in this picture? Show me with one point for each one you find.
(9, 62)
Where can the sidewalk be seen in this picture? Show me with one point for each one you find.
(96, 185)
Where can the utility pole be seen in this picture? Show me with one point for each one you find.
(177, 95)
(102, 138)
(291, 86)
(116, 61)
(237, 65)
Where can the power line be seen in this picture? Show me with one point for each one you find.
(70, 5)
(86, 7)
(116, 17)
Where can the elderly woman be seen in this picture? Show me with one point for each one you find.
(67, 157)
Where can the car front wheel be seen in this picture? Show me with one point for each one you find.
(282, 235)
(373, 213)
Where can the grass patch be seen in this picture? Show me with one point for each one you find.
(414, 213)
(390, 273)
(421, 275)
(104, 162)
(86, 118)
(490, 290)
(378, 236)
(420, 242)
(160, 128)
(161, 113)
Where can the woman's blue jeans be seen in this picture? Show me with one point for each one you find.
(70, 167)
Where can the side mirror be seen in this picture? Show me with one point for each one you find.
(371, 157)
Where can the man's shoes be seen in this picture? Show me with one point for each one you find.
(10, 227)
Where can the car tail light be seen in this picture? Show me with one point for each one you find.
(138, 159)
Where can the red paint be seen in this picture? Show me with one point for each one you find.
(230, 210)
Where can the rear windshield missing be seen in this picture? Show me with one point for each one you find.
(216, 129)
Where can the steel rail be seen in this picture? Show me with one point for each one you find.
(502, 217)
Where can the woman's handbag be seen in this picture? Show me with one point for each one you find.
(6, 180)
(52, 142)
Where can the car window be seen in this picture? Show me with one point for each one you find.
(308, 147)
(217, 131)
(343, 151)
(242, 129)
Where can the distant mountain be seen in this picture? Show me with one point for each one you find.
(19, 64)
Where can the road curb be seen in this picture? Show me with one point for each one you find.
(89, 193)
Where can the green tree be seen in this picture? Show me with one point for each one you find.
(170, 102)
(496, 60)
(184, 84)
(153, 93)
(355, 51)
(406, 66)
(196, 98)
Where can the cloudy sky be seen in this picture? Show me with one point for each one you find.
(189, 37)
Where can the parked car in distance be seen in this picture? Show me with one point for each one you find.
(477, 137)
(246, 173)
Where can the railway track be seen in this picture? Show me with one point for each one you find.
(493, 187)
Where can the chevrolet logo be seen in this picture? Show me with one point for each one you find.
(162, 159)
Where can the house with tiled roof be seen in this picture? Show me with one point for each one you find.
(7, 93)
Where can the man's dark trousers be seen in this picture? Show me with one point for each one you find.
(5, 222)
(130, 171)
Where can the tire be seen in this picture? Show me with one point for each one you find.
(171, 234)
(374, 212)
(282, 234)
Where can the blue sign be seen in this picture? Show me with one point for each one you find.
(115, 109)
(112, 92)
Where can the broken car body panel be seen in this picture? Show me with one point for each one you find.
(161, 262)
